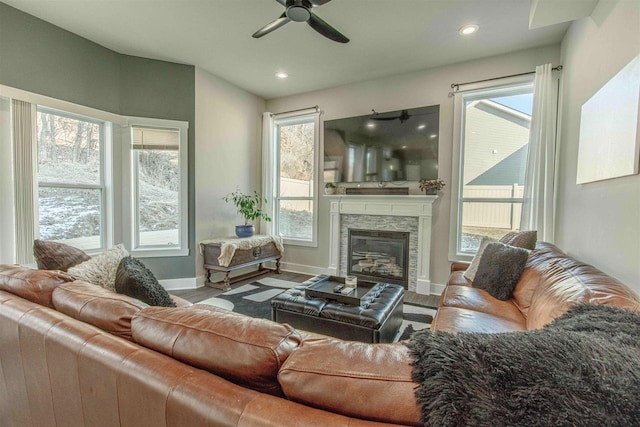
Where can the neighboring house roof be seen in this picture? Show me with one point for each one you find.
(499, 144)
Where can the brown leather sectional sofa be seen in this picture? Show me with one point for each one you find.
(74, 354)
(551, 283)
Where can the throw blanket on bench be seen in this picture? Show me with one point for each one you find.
(228, 246)
(582, 369)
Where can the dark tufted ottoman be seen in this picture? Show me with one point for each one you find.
(377, 319)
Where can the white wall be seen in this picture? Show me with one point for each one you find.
(598, 222)
(428, 87)
(228, 154)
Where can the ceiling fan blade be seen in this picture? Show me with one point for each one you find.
(272, 26)
(317, 3)
(325, 29)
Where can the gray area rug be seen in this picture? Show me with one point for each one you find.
(254, 299)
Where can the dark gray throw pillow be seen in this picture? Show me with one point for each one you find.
(500, 269)
(137, 281)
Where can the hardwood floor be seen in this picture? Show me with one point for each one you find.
(202, 293)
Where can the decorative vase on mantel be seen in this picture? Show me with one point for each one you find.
(431, 186)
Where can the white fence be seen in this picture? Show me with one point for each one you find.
(492, 214)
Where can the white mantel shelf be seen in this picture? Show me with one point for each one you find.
(420, 206)
(392, 205)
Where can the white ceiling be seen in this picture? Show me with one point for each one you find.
(387, 36)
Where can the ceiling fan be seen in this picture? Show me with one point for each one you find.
(300, 11)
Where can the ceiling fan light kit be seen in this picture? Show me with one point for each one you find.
(300, 11)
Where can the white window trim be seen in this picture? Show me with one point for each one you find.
(106, 177)
(128, 193)
(270, 168)
(116, 149)
(456, 156)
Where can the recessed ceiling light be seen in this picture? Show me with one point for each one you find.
(404, 146)
(282, 75)
(433, 136)
(422, 126)
(468, 29)
(371, 125)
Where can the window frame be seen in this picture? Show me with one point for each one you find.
(105, 185)
(130, 201)
(504, 86)
(272, 174)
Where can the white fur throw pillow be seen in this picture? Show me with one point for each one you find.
(100, 270)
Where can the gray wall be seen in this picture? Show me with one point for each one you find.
(163, 90)
(598, 222)
(42, 58)
(39, 57)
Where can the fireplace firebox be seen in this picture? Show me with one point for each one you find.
(380, 256)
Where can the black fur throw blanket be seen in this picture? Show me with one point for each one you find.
(581, 370)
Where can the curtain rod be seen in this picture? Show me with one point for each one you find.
(456, 86)
(299, 109)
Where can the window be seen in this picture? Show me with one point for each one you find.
(72, 194)
(488, 179)
(158, 190)
(294, 201)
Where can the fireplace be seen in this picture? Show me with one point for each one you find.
(380, 256)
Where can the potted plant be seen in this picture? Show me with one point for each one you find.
(431, 186)
(329, 188)
(249, 207)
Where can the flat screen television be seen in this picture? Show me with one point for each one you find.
(391, 146)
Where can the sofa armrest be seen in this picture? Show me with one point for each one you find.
(459, 266)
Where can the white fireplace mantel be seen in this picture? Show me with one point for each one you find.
(420, 206)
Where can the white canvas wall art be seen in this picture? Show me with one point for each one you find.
(609, 144)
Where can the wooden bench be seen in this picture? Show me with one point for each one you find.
(255, 255)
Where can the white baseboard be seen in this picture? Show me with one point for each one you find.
(304, 269)
(182, 283)
(197, 282)
(437, 288)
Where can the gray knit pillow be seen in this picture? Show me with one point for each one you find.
(500, 269)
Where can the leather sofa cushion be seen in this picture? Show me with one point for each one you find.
(567, 282)
(353, 379)
(456, 319)
(33, 285)
(479, 300)
(457, 278)
(239, 348)
(539, 260)
(97, 306)
(180, 302)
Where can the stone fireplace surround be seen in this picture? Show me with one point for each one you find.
(381, 223)
(411, 213)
